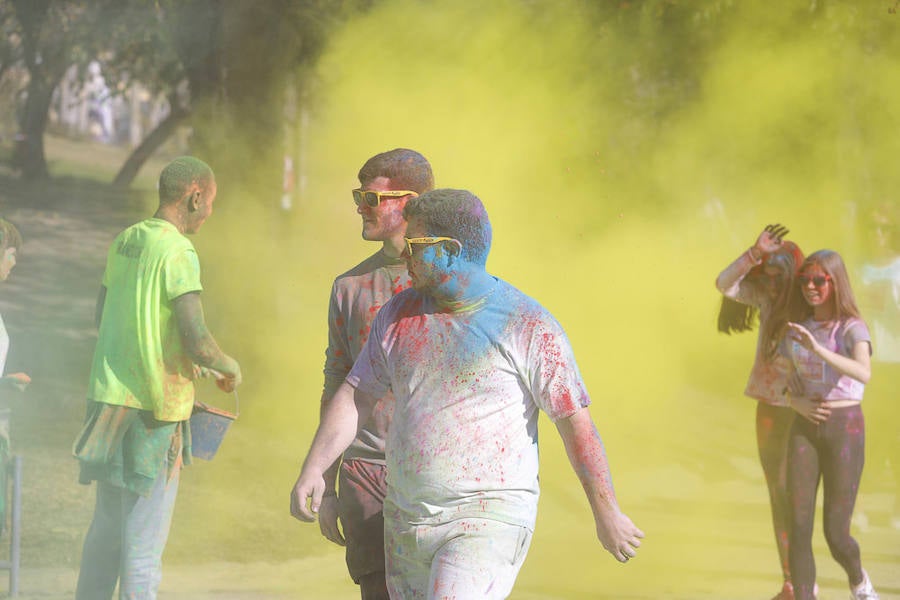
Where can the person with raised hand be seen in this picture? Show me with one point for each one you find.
(757, 284)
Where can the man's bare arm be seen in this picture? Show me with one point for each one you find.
(198, 342)
(338, 427)
(616, 532)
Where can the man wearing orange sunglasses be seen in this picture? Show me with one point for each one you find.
(387, 181)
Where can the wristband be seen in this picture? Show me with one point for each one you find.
(753, 257)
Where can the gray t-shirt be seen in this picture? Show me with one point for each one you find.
(356, 297)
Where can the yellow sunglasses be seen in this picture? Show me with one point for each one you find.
(372, 198)
(428, 240)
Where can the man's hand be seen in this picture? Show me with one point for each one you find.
(769, 240)
(618, 534)
(228, 378)
(328, 520)
(309, 488)
(227, 384)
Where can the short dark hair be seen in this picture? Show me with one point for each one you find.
(177, 176)
(9, 235)
(454, 213)
(407, 170)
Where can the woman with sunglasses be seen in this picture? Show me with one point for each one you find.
(830, 347)
(758, 282)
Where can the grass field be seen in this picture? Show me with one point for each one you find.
(693, 484)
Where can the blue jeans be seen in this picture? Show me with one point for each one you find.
(126, 540)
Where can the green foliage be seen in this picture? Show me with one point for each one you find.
(139, 49)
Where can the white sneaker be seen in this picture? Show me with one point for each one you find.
(865, 590)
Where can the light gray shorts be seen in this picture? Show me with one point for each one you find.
(463, 559)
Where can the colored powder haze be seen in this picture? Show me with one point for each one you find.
(616, 197)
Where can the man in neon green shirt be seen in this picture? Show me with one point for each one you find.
(152, 340)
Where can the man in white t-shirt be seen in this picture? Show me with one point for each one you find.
(471, 361)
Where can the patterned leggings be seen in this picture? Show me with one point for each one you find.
(835, 451)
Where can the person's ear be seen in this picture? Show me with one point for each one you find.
(193, 200)
(453, 249)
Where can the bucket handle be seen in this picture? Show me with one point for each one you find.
(237, 405)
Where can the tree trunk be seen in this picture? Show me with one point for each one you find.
(148, 146)
(30, 146)
(45, 59)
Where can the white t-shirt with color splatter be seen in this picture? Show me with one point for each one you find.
(469, 385)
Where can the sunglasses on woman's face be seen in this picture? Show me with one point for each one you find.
(818, 280)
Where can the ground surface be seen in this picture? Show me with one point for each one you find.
(708, 529)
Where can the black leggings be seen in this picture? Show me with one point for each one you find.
(834, 451)
(773, 426)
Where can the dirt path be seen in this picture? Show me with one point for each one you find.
(219, 581)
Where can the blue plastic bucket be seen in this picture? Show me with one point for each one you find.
(208, 427)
